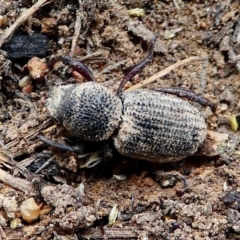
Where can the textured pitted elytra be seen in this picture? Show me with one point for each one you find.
(93, 112)
(159, 127)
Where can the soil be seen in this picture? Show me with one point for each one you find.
(120, 198)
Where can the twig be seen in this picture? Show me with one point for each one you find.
(23, 17)
(3, 234)
(44, 127)
(77, 28)
(91, 55)
(176, 4)
(165, 72)
(9, 162)
(31, 134)
(112, 233)
(16, 183)
(44, 165)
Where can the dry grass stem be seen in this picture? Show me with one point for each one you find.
(165, 72)
(23, 17)
(16, 183)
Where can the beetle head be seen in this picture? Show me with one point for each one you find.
(88, 110)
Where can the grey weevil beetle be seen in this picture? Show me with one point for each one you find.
(155, 125)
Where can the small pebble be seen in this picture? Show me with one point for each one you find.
(27, 89)
(37, 68)
(30, 210)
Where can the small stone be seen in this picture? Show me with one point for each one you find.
(225, 44)
(27, 89)
(219, 59)
(169, 34)
(63, 30)
(46, 209)
(29, 230)
(10, 206)
(223, 106)
(37, 68)
(29, 210)
(236, 227)
(203, 25)
(48, 25)
(165, 183)
(15, 223)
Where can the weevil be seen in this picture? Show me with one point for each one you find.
(156, 125)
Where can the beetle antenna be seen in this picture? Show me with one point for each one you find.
(140, 66)
(79, 67)
(79, 149)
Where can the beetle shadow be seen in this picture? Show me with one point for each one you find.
(111, 164)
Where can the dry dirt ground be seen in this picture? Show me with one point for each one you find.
(198, 199)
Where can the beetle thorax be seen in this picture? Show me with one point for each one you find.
(92, 112)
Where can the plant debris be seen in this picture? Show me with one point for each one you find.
(27, 46)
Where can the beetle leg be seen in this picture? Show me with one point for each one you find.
(54, 60)
(189, 95)
(78, 149)
(79, 67)
(138, 67)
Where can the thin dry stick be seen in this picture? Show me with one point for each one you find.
(112, 233)
(165, 72)
(77, 28)
(44, 165)
(23, 17)
(17, 183)
(176, 5)
(3, 234)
